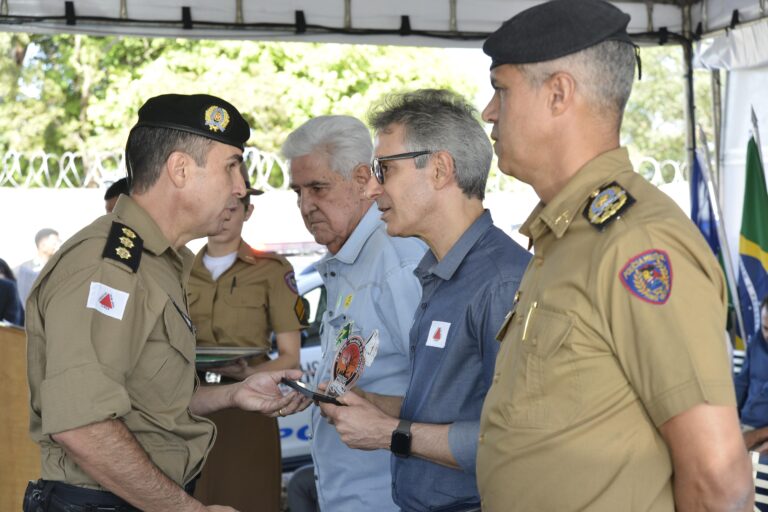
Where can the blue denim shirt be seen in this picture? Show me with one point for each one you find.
(466, 296)
(369, 281)
(752, 383)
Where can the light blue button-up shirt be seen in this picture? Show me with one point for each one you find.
(369, 281)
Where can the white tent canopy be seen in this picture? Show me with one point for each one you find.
(429, 22)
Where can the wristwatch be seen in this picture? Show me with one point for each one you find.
(401, 439)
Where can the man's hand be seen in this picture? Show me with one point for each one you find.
(260, 392)
(757, 439)
(360, 424)
(220, 508)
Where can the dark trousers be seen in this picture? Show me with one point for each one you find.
(50, 496)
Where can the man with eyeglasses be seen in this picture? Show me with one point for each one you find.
(431, 170)
(370, 286)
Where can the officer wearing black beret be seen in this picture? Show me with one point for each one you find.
(115, 405)
(609, 394)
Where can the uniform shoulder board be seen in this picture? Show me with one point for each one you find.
(606, 204)
(124, 245)
(256, 255)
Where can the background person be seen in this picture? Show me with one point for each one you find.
(10, 305)
(369, 281)
(111, 347)
(751, 385)
(431, 167)
(113, 193)
(47, 242)
(237, 298)
(613, 389)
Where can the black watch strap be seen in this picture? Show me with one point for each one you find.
(400, 445)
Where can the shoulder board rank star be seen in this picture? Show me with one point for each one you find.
(123, 245)
(607, 204)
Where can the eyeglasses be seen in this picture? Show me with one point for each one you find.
(377, 170)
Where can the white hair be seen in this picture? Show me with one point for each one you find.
(604, 74)
(344, 140)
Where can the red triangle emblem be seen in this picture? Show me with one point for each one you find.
(437, 335)
(106, 301)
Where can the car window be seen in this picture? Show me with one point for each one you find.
(316, 298)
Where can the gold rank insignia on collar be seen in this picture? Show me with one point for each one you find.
(606, 204)
(123, 245)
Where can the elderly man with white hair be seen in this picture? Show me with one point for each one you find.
(370, 283)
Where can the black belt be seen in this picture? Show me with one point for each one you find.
(90, 500)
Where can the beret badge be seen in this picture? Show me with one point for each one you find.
(216, 118)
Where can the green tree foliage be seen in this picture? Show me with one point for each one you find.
(654, 122)
(72, 92)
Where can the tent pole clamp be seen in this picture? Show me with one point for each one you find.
(123, 9)
(347, 14)
(239, 12)
(454, 24)
(4, 8)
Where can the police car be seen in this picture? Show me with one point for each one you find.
(295, 430)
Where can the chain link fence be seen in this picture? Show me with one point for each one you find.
(267, 171)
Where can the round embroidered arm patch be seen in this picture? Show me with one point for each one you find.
(648, 276)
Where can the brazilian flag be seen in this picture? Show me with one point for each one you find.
(753, 242)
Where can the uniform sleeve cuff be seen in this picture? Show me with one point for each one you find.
(688, 395)
(81, 396)
(462, 440)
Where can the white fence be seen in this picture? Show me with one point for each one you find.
(38, 169)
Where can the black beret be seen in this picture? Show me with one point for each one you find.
(200, 114)
(555, 29)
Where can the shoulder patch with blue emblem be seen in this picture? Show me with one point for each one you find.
(606, 205)
(648, 276)
(124, 245)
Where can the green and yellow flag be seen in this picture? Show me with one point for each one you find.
(753, 242)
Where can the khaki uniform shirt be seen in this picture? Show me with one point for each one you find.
(108, 337)
(252, 298)
(613, 333)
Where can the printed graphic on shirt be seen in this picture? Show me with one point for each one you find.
(438, 333)
(348, 301)
(349, 362)
(290, 280)
(648, 276)
(107, 300)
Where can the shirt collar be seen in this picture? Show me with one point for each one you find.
(558, 215)
(351, 249)
(445, 268)
(134, 216)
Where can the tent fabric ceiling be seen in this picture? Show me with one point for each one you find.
(432, 22)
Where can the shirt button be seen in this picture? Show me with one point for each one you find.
(423, 305)
(481, 439)
(333, 274)
(496, 378)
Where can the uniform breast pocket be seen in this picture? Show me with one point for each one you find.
(546, 383)
(248, 309)
(164, 373)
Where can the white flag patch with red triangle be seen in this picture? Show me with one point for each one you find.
(107, 300)
(438, 333)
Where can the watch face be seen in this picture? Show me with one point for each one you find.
(401, 443)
